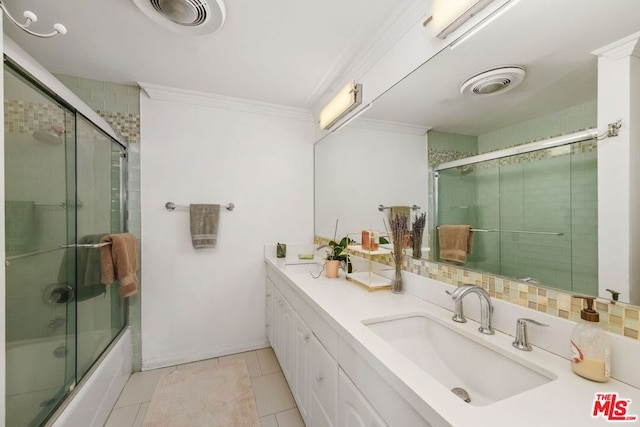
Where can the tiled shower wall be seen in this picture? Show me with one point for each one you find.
(119, 105)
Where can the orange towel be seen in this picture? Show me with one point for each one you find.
(119, 261)
(456, 241)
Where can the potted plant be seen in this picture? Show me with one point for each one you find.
(336, 258)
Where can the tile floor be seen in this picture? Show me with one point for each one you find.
(276, 407)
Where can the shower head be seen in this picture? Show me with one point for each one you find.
(466, 169)
(52, 136)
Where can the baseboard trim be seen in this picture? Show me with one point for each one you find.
(181, 358)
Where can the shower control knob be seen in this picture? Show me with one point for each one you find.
(60, 296)
(57, 294)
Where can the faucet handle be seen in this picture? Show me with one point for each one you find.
(522, 340)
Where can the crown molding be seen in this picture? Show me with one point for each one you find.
(184, 96)
(408, 13)
(389, 126)
(623, 48)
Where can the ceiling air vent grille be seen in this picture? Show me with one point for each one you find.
(494, 81)
(189, 13)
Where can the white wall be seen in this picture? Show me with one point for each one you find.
(198, 304)
(348, 189)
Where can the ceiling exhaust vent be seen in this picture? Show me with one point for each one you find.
(185, 16)
(493, 81)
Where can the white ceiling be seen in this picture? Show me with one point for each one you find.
(552, 40)
(279, 51)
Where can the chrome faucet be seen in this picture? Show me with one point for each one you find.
(522, 339)
(486, 308)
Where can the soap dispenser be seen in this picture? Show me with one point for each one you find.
(590, 347)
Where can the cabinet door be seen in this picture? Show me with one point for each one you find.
(268, 312)
(323, 400)
(268, 325)
(276, 343)
(302, 354)
(286, 325)
(353, 408)
(269, 295)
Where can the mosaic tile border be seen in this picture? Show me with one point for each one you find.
(620, 319)
(26, 117)
(436, 157)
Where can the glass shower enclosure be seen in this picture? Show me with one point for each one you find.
(64, 190)
(534, 214)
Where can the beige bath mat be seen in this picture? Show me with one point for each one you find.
(212, 396)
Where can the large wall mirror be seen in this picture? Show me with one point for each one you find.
(425, 143)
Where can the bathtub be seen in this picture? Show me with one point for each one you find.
(92, 400)
(35, 381)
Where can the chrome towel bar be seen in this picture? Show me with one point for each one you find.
(170, 206)
(383, 207)
(44, 251)
(495, 230)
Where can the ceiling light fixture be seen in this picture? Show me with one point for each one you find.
(449, 15)
(342, 104)
(30, 17)
(466, 36)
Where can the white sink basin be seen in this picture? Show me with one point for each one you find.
(456, 360)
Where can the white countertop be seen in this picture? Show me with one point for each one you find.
(565, 401)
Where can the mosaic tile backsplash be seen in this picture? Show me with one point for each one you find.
(618, 318)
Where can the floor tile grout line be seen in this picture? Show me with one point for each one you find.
(262, 374)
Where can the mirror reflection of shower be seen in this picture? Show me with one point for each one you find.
(466, 169)
(52, 136)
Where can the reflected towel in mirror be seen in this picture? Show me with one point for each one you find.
(456, 241)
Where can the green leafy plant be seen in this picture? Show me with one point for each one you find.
(337, 252)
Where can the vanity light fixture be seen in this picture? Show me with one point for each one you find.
(466, 36)
(342, 104)
(449, 15)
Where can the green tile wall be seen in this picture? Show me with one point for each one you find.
(572, 119)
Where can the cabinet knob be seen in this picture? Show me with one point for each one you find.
(268, 295)
(306, 337)
(319, 378)
(268, 325)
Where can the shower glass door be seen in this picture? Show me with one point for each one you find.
(99, 174)
(40, 254)
(536, 215)
(64, 187)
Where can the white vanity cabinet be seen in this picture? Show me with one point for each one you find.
(353, 408)
(306, 347)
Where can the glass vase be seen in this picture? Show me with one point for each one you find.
(417, 244)
(397, 285)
